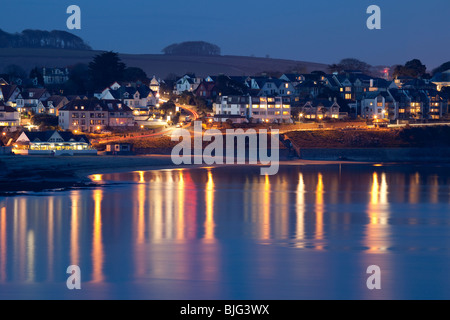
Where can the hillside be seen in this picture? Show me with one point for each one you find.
(156, 64)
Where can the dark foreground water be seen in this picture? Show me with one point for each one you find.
(229, 233)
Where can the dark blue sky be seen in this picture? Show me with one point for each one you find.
(319, 30)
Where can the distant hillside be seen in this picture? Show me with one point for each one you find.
(157, 64)
(42, 39)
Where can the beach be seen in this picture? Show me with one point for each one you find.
(37, 173)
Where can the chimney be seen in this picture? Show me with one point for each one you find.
(371, 83)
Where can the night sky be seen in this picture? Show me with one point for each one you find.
(319, 31)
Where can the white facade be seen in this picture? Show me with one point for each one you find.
(374, 108)
(261, 109)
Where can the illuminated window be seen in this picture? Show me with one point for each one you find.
(348, 96)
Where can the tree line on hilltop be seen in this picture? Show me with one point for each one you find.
(411, 69)
(192, 48)
(42, 39)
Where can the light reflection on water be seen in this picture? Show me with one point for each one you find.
(230, 233)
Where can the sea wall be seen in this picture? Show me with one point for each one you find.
(375, 154)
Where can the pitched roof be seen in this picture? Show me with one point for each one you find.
(5, 108)
(44, 136)
(35, 93)
(7, 91)
(324, 102)
(56, 99)
(93, 104)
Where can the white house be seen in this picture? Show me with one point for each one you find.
(155, 85)
(260, 109)
(132, 96)
(375, 105)
(32, 99)
(186, 83)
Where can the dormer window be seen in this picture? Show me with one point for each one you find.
(31, 94)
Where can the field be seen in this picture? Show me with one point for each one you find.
(156, 64)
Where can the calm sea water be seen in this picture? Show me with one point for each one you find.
(228, 233)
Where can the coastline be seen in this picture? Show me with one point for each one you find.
(41, 173)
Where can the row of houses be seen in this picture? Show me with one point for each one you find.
(354, 92)
(403, 104)
(116, 105)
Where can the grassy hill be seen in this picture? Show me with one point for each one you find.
(156, 64)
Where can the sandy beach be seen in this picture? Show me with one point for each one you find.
(37, 173)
